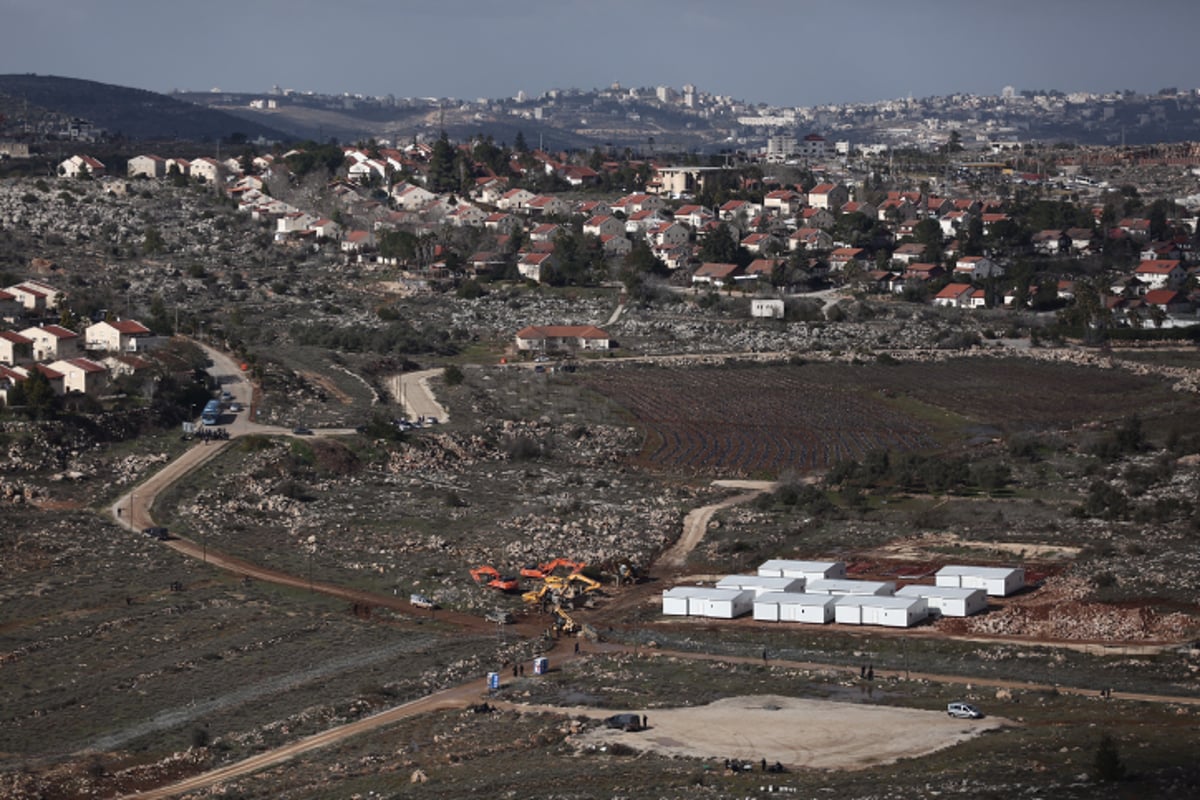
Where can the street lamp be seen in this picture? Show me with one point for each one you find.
(132, 501)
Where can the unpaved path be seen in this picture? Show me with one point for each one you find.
(696, 522)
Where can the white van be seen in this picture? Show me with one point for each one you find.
(963, 711)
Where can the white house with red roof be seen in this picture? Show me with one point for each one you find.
(845, 257)
(632, 203)
(783, 202)
(548, 205)
(208, 170)
(534, 266)
(545, 232)
(668, 234)
(37, 297)
(856, 207)
(10, 306)
(810, 239)
(760, 242)
(828, 196)
(977, 268)
(739, 210)
(52, 342)
(561, 338)
(10, 377)
(615, 244)
(79, 165)
(593, 208)
(714, 274)
(695, 217)
(603, 225)
(147, 166)
(410, 197)
(118, 336)
(15, 348)
(357, 241)
(954, 295)
(81, 375)
(1168, 300)
(816, 218)
(1160, 274)
(500, 221)
(515, 200)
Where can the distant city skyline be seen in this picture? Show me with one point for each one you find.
(778, 52)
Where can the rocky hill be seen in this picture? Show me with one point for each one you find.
(44, 104)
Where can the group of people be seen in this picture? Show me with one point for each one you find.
(212, 434)
(866, 671)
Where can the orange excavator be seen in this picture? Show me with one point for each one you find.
(547, 569)
(490, 576)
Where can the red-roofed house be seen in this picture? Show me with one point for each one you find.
(147, 166)
(954, 295)
(15, 348)
(811, 238)
(828, 196)
(977, 268)
(714, 274)
(79, 165)
(603, 225)
(1168, 300)
(81, 375)
(1159, 274)
(816, 218)
(560, 338)
(844, 257)
(53, 342)
(535, 266)
(121, 336)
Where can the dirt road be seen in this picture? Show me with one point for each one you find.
(696, 522)
(411, 390)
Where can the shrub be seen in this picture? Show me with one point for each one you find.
(453, 375)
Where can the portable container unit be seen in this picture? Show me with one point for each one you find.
(996, 581)
(891, 612)
(677, 601)
(809, 570)
(726, 603)
(794, 607)
(948, 601)
(541, 665)
(850, 587)
(761, 584)
(493, 680)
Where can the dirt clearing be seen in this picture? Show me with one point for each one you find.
(815, 734)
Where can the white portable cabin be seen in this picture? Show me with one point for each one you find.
(761, 584)
(809, 570)
(724, 603)
(850, 587)
(948, 601)
(794, 607)
(996, 581)
(677, 601)
(892, 612)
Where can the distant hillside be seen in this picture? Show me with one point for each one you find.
(133, 113)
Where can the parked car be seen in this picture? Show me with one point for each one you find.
(300, 430)
(963, 711)
(235, 407)
(157, 532)
(500, 617)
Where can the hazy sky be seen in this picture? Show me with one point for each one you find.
(786, 52)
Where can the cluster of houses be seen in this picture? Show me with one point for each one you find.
(788, 219)
(819, 592)
(71, 362)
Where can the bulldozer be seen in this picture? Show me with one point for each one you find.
(565, 624)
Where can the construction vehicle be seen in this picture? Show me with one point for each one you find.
(490, 576)
(545, 570)
(564, 623)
